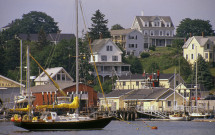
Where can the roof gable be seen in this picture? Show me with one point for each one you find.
(10, 80)
(52, 73)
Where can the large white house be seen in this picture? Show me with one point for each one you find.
(108, 58)
(131, 41)
(157, 30)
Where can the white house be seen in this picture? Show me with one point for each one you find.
(157, 30)
(58, 74)
(131, 41)
(108, 59)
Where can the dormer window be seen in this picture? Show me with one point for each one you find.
(168, 24)
(208, 46)
(109, 48)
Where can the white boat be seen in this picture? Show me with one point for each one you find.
(177, 117)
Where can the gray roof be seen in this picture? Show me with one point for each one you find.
(146, 94)
(50, 87)
(121, 32)
(50, 37)
(117, 93)
(149, 94)
(201, 40)
(152, 18)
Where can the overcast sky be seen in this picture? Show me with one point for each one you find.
(116, 11)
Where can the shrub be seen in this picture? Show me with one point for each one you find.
(144, 55)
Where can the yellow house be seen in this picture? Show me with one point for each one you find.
(199, 45)
(114, 100)
(155, 99)
(139, 81)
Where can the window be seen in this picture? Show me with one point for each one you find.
(145, 32)
(161, 33)
(114, 58)
(167, 33)
(186, 56)
(137, 83)
(193, 46)
(124, 83)
(109, 48)
(103, 58)
(152, 33)
(131, 45)
(191, 56)
(136, 36)
(136, 45)
(169, 103)
(206, 55)
(208, 46)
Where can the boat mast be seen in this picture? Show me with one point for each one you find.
(174, 93)
(196, 82)
(28, 79)
(21, 67)
(77, 70)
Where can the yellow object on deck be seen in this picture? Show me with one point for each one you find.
(74, 104)
(21, 109)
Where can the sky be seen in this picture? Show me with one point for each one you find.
(120, 12)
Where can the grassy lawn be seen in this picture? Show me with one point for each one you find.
(171, 70)
(212, 71)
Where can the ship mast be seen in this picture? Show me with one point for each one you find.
(77, 70)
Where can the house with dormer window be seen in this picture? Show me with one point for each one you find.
(199, 45)
(58, 74)
(157, 30)
(108, 58)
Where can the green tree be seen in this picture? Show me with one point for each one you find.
(185, 68)
(204, 75)
(31, 23)
(99, 26)
(195, 27)
(117, 27)
(136, 66)
(42, 39)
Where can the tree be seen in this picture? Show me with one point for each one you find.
(195, 27)
(31, 23)
(116, 27)
(136, 66)
(204, 75)
(99, 26)
(185, 68)
(42, 39)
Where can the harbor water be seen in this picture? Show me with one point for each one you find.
(123, 128)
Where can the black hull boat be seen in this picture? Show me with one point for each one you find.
(65, 125)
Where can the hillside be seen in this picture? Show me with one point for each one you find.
(163, 58)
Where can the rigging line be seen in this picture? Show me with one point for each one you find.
(91, 53)
(52, 55)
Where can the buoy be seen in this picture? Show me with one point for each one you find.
(12, 119)
(154, 127)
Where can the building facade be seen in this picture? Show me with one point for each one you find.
(130, 40)
(157, 30)
(199, 45)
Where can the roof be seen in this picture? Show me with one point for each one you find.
(200, 39)
(149, 19)
(117, 93)
(140, 76)
(50, 37)
(121, 32)
(11, 80)
(50, 87)
(98, 44)
(52, 72)
(149, 94)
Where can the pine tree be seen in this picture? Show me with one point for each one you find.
(204, 76)
(99, 26)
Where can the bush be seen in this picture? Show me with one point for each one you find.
(152, 48)
(144, 55)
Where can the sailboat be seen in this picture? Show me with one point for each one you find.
(51, 121)
(177, 116)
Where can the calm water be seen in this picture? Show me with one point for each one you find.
(122, 128)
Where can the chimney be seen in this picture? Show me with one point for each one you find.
(142, 13)
(202, 34)
(100, 34)
(190, 34)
